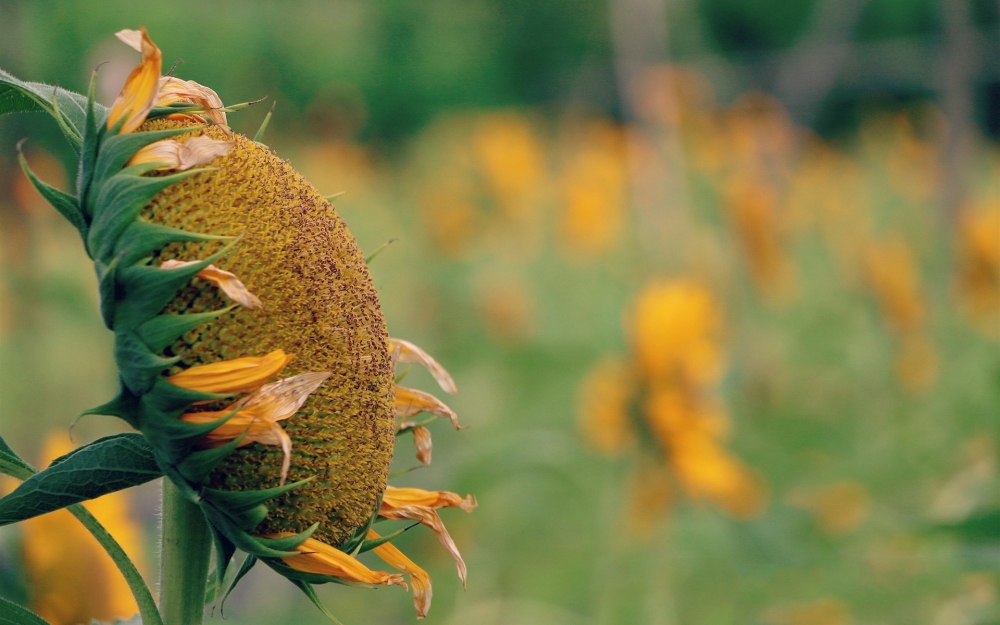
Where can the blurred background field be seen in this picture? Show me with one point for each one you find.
(718, 281)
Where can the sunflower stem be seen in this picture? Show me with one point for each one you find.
(185, 551)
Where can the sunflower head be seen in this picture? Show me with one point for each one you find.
(250, 343)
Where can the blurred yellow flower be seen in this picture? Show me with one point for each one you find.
(667, 391)
(593, 185)
(511, 159)
(978, 279)
(839, 507)
(827, 611)
(71, 579)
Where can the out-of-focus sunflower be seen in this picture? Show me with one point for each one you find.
(249, 339)
(71, 579)
(664, 397)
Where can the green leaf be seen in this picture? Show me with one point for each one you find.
(163, 330)
(18, 96)
(141, 238)
(13, 614)
(65, 203)
(143, 598)
(310, 592)
(12, 465)
(118, 204)
(107, 465)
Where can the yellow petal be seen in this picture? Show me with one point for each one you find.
(228, 282)
(411, 402)
(181, 156)
(232, 376)
(429, 517)
(172, 90)
(395, 497)
(138, 96)
(407, 352)
(321, 559)
(419, 579)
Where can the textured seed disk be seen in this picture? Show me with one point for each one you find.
(299, 258)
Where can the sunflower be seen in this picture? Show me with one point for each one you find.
(663, 400)
(250, 343)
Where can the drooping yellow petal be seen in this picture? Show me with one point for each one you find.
(395, 497)
(411, 402)
(138, 96)
(232, 376)
(422, 441)
(429, 517)
(321, 559)
(259, 414)
(419, 579)
(181, 156)
(172, 90)
(228, 282)
(407, 352)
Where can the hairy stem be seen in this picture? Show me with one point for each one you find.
(185, 550)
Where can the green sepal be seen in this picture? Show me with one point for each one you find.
(138, 366)
(104, 466)
(115, 151)
(379, 250)
(145, 290)
(246, 507)
(124, 405)
(163, 330)
(263, 126)
(141, 238)
(10, 612)
(242, 540)
(11, 464)
(248, 563)
(224, 552)
(74, 136)
(169, 399)
(107, 289)
(353, 543)
(313, 578)
(173, 438)
(185, 489)
(310, 592)
(370, 544)
(66, 204)
(17, 96)
(331, 198)
(173, 109)
(91, 139)
(119, 202)
(196, 467)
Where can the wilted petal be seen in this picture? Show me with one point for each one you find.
(181, 156)
(138, 96)
(407, 352)
(429, 517)
(411, 402)
(232, 376)
(173, 90)
(131, 38)
(259, 414)
(228, 282)
(422, 441)
(321, 559)
(419, 578)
